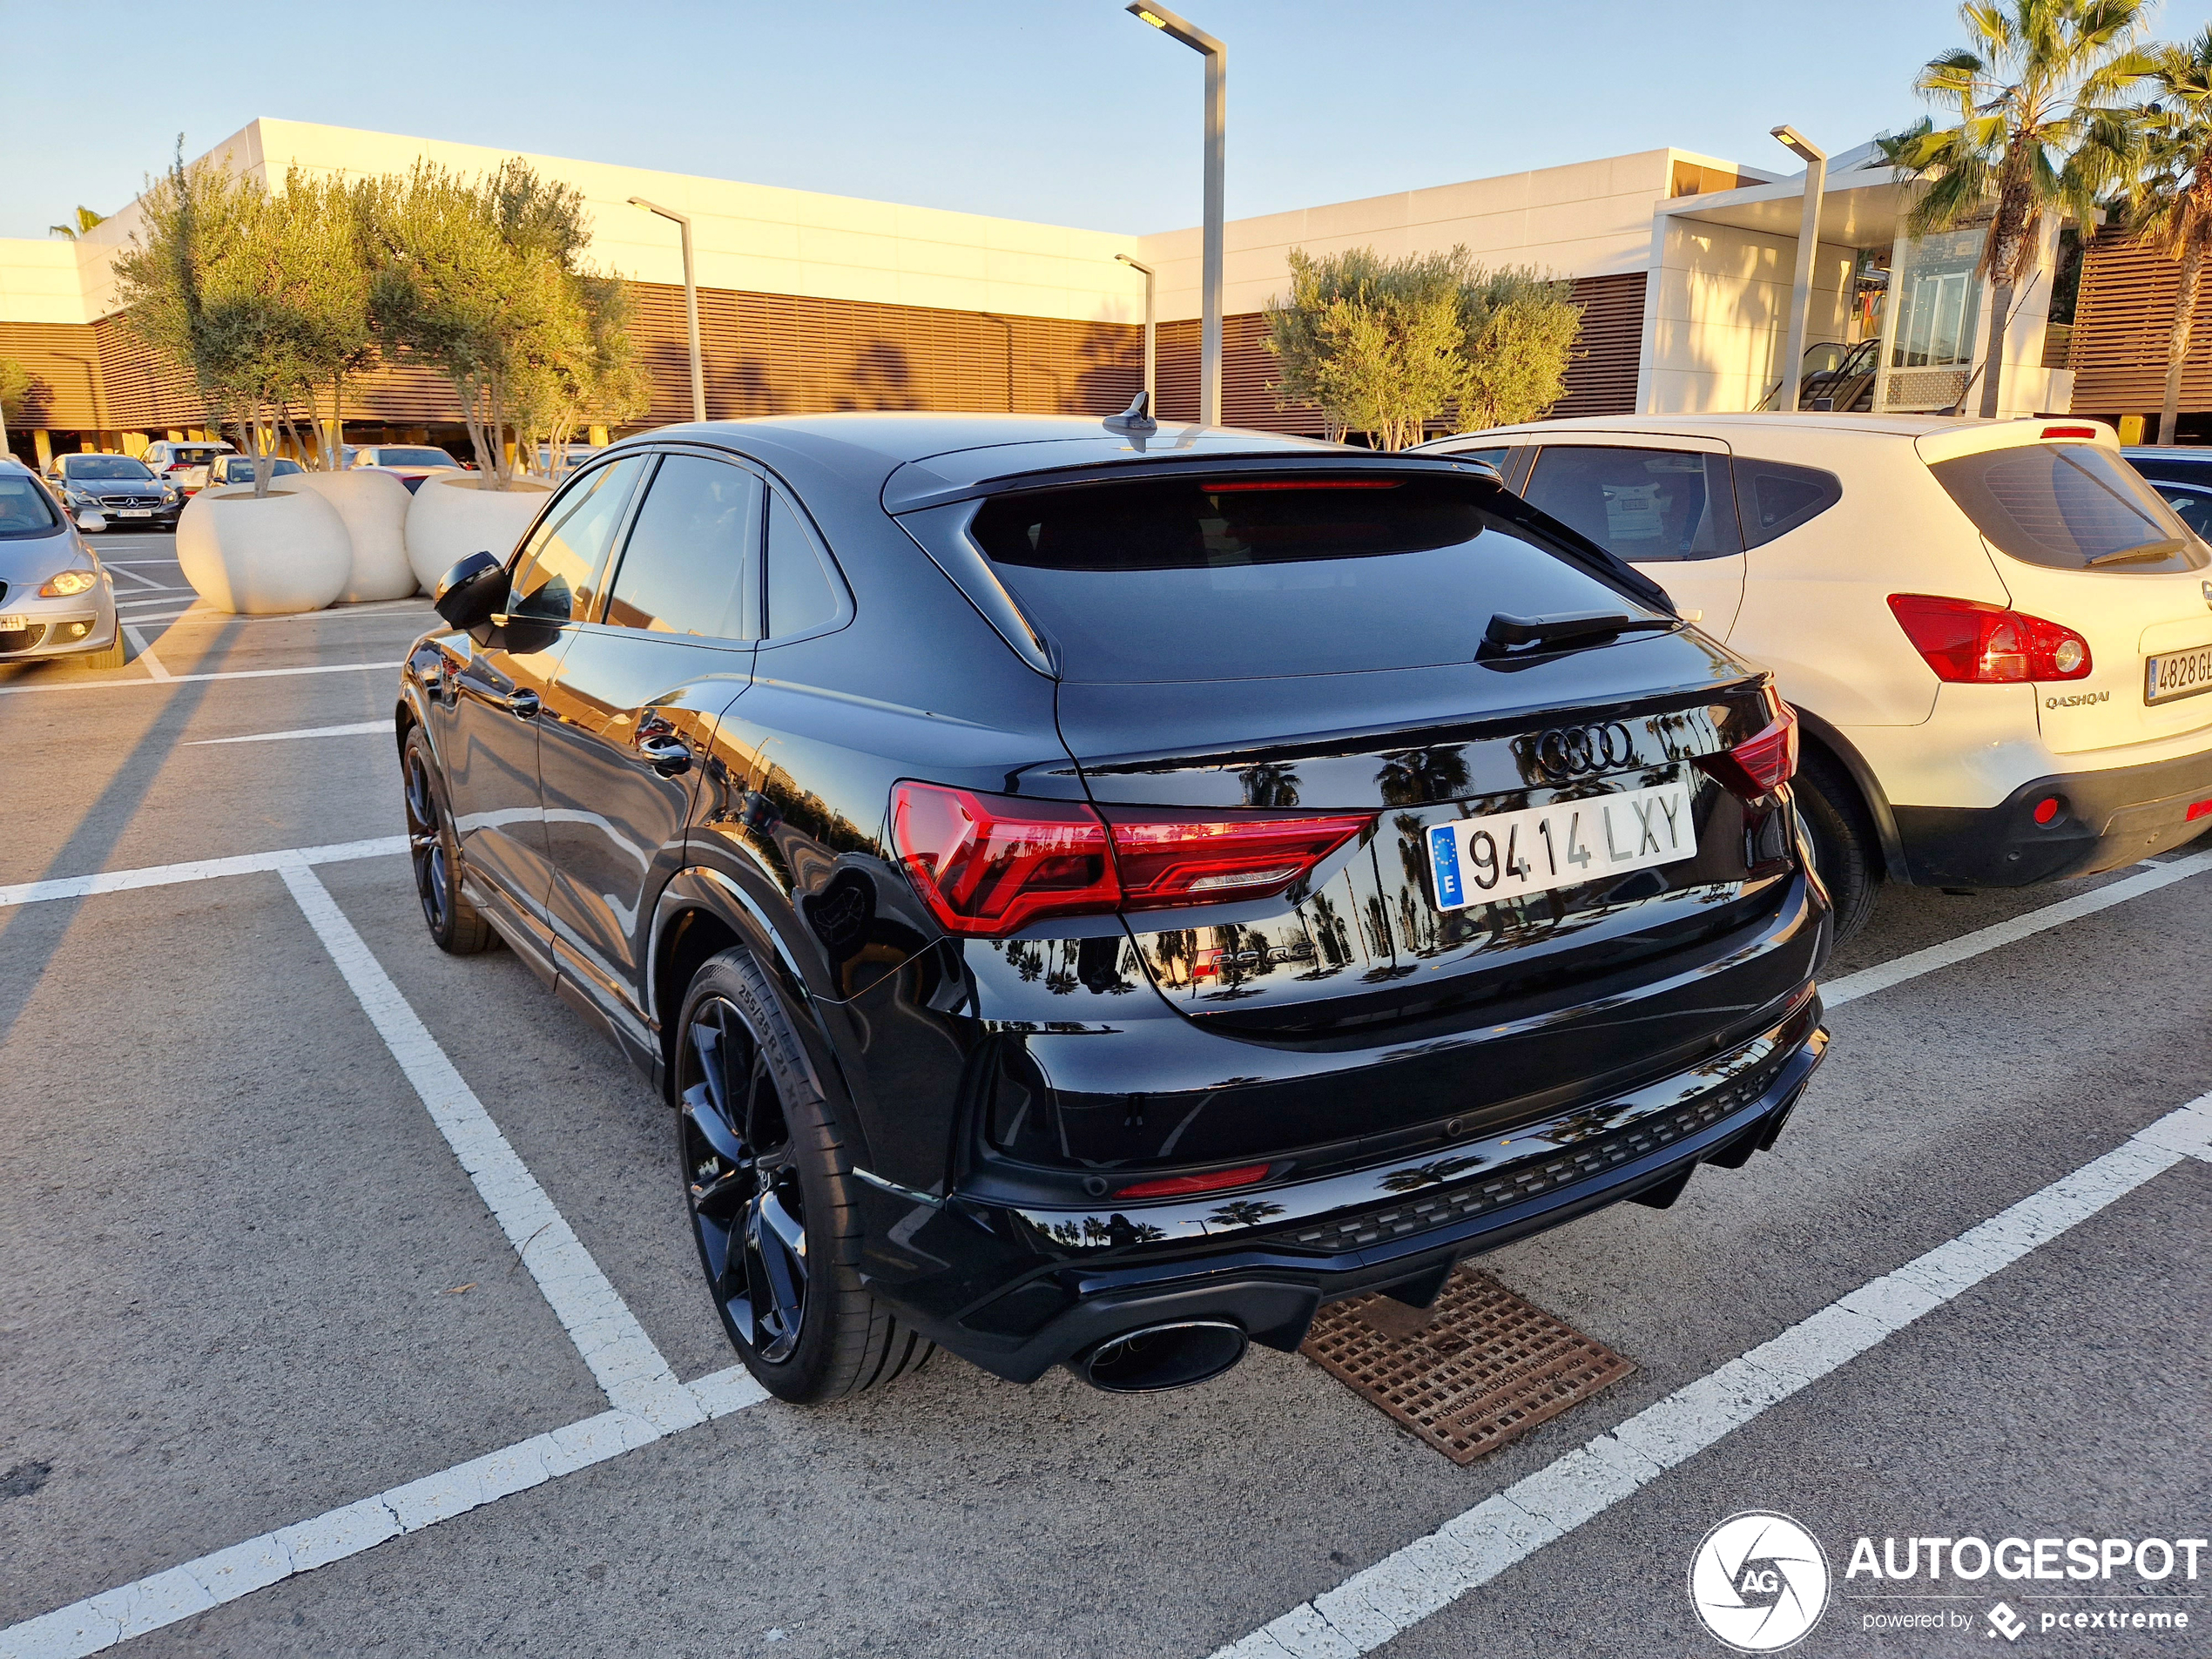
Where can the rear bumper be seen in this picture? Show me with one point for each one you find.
(1268, 1265)
(2105, 819)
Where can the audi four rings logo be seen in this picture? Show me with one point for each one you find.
(1571, 751)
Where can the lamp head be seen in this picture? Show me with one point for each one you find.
(1168, 23)
(1799, 146)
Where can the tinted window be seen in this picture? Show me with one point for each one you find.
(75, 468)
(1638, 504)
(1772, 499)
(25, 509)
(2071, 506)
(415, 458)
(559, 572)
(801, 596)
(685, 568)
(1193, 579)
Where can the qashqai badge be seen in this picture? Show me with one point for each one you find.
(1759, 1582)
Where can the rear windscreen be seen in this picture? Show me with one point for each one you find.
(2072, 507)
(1195, 579)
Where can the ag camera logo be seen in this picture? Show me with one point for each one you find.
(1759, 1582)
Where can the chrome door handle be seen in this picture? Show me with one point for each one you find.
(667, 756)
(522, 704)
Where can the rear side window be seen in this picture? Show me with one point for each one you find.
(2192, 507)
(689, 566)
(25, 509)
(1640, 505)
(2071, 506)
(801, 596)
(1205, 579)
(1773, 499)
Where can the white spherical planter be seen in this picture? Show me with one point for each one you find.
(453, 517)
(287, 552)
(373, 506)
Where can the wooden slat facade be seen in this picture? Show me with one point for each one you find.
(775, 354)
(2121, 322)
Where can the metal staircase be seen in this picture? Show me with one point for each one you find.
(1833, 376)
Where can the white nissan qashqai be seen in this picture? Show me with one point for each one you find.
(1998, 637)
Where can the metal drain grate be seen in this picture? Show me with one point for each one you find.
(1480, 1368)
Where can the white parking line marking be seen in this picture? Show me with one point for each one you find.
(171, 560)
(167, 597)
(1880, 977)
(179, 679)
(1428, 1574)
(629, 1368)
(133, 576)
(164, 875)
(381, 727)
(393, 611)
(116, 1616)
(145, 658)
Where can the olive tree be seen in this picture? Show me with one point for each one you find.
(213, 282)
(1384, 347)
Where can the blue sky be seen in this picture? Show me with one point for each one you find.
(1065, 110)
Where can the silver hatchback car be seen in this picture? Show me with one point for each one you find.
(56, 598)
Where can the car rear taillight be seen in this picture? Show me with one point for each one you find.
(1177, 1186)
(1763, 762)
(990, 864)
(1967, 641)
(1171, 858)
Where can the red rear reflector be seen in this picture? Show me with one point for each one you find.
(1176, 1185)
(1965, 641)
(2047, 809)
(990, 864)
(2069, 432)
(2198, 809)
(1764, 761)
(1301, 483)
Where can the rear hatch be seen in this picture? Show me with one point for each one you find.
(2080, 539)
(1237, 650)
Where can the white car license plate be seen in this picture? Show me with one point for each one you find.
(134, 512)
(14, 624)
(2177, 673)
(1479, 860)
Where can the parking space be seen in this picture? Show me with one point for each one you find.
(303, 1215)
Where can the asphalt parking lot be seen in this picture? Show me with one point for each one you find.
(276, 1378)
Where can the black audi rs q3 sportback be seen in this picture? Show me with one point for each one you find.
(1093, 892)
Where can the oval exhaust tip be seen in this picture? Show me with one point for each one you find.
(1162, 1356)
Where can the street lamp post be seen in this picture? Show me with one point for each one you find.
(1152, 390)
(1816, 161)
(1217, 56)
(690, 303)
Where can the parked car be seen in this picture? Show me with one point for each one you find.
(56, 598)
(1995, 634)
(239, 469)
(1090, 901)
(183, 464)
(571, 458)
(124, 491)
(413, 463)
(2182, 478)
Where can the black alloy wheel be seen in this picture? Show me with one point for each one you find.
(433, 850)
(770, 1192)
(748, 1210)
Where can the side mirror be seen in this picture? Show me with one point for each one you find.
(91, 519)
(471, 593)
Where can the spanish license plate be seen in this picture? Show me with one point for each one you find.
(2177, 673)
(1479, 860)
(134, 512)
(14, 624)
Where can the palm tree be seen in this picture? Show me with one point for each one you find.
(86, 219)
(2170, 202)
(2039, 131)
